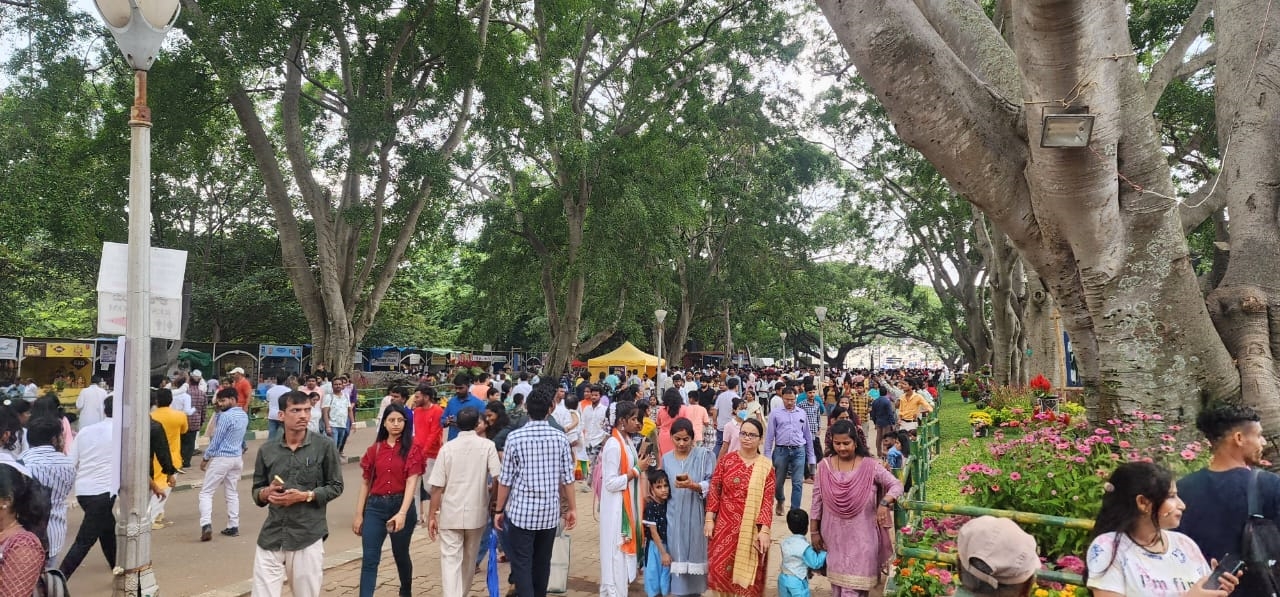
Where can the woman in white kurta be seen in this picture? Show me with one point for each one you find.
(621, 527)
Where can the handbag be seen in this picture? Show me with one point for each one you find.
(560, 557)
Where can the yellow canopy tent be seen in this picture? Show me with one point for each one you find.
(627, 356)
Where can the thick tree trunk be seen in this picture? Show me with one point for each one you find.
(1246, 305)
(1113, 257)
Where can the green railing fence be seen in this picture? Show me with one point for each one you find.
(914, 503)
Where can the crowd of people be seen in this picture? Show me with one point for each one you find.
(684, 477)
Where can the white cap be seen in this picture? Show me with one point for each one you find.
(196, 373)
(237, 370)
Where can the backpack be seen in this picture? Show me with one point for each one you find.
(1261, 543)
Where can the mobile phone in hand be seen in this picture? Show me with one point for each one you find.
(1229, 563)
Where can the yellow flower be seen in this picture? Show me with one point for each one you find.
(1041, 593)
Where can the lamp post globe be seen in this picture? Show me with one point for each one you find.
(139, 27)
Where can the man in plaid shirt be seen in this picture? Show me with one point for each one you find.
(811, 403)
(537, 473)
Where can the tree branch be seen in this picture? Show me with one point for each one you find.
(1197, 63)
(1167, 67)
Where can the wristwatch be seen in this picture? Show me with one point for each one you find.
(311, 495)
(886, 503)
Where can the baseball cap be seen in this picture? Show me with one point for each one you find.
(196, 373)
(996, 551)
(237, 370)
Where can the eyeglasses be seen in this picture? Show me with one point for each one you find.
(745, 435)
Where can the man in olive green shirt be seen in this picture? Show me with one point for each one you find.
(294, 476)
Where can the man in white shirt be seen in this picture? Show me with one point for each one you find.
(335, 407)
(31, 390)
(274, 426)
(460, 501)
(89, 403)
(524, 387)
(95, 490)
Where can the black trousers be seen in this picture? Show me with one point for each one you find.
(99, 526)
(188, 447)
(530, 556)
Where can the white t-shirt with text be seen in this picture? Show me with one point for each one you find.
(1137, 571)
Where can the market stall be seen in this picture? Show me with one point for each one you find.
(626, 357)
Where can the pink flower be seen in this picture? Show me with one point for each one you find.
(1101, 431)
(1168, 438)
(995, 488)
(962, 477)
(967, 490)
(1188, 455)
(1175, 428)
(1079, 459)
(1125, 444)
(907, 530)
(1157, 417)
(1015, 476)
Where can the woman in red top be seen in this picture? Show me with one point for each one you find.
(426, 431)
(392, 467)
(24, 512)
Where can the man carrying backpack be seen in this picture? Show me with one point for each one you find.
(1217, 497)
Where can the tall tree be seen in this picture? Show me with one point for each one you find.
(597, 73)
(354, 112)
(1101, 224)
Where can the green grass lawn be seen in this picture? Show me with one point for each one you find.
(954, 424)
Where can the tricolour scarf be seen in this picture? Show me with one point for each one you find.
(631, 523)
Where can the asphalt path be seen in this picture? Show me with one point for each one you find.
(186, 566)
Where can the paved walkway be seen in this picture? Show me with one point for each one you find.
(342, 570)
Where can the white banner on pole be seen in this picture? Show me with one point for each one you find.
(118, 414)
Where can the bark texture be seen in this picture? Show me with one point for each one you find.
(1113, 257)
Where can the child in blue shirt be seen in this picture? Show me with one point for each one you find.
(798, 557)
(893, 455)
(657, 568)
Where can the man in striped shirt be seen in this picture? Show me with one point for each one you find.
(223, 461)
(56, 471)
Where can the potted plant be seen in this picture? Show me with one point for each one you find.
(981, 421)
(1043, 392)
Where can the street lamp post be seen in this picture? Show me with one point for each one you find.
(139, 28)
(821, 312)
(661, 315)
(782, 339)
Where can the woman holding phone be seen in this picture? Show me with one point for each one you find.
(689, 467)
(391, 468)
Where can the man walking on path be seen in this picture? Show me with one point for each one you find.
(274, 425)
(295, 477)
(222, 463)
(537, 473)
(199, 403)
(244, 389)
(788, 442)
(723, 410)
(55, 471)
(462, 398)
(174, 423)
(460, 501)
(89, 403)
(95, 489)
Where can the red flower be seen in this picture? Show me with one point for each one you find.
(1040, 383)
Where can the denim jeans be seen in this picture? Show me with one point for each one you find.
(788, 461)
(378, 509)
(342, 444)
(339, 436)
(530, 556)
(274, 428)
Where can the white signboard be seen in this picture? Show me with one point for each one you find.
(8, 349)
(168, 266)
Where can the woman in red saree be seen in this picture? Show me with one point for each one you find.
(852, 511)
(739, 514)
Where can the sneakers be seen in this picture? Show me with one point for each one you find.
(155, 526)
(231, 531)
(206, 532)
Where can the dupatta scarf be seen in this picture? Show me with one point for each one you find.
(631, 522)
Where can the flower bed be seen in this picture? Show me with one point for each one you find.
(1051, 464)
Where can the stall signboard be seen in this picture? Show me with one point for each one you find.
(107, 354)
(272, 350)
(390, 358)
(489, 358)
(168, 266)
(8, 349)
(69, 350)
(437, 359)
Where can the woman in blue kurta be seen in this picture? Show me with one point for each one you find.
(689, 468)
